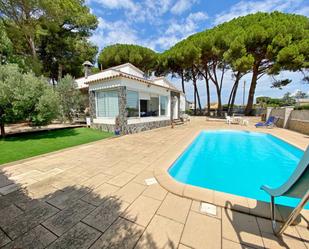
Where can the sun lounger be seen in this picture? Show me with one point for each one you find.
(270, 123)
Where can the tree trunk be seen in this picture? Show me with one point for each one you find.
(196, 90)
(255, 72)
(60, 68)
(32, 47)
(208, 95)
(183, 83)
(2, 130)
(194, 98)
(198, 98)
(219, 100)
(231, 107)
(233, 94)
(214, 79)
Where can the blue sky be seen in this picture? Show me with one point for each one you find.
(159, 24)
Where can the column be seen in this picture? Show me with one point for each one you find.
(122, 103)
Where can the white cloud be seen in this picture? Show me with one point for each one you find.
(243, 8)
(190, 25)
(113, 32)
(304, 10)
(116, 4)
(181, 6)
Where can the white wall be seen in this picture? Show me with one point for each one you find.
(182, 103)
(133, 85)
(132, 71)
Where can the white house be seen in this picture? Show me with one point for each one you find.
(138, 102)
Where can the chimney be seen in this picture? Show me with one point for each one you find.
(87, 68)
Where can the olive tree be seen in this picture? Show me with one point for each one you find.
(25, 97)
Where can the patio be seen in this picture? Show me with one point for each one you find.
(95, 196)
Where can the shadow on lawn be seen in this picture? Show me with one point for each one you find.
(245, 225)
(36, 135)
(40, 216)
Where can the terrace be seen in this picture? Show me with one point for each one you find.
(95, 196)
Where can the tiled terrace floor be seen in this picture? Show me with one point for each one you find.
(95, 196)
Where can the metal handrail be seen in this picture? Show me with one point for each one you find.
(293, 215)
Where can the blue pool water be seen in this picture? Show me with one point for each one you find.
(238, 162)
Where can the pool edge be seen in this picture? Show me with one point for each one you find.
(222, 199)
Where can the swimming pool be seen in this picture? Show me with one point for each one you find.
(238, 162)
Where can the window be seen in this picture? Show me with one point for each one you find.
(132, 104)
(107, 104)
(163, 105)
(149, 108)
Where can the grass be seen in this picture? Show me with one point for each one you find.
(28, 145)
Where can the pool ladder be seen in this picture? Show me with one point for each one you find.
(293, 215)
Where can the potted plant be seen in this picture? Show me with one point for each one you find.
(117, 126)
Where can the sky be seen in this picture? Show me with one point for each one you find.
(159, 24)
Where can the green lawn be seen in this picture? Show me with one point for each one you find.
(28, 145)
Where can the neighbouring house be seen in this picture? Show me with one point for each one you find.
(190, 105)
(139, 103)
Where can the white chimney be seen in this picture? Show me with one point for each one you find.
(87, 68)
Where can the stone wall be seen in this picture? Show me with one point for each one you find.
(296, 120)
(279, 114)
(104, 127)
(299, 121)
(92, 111)
(122, 102)
(135, 128)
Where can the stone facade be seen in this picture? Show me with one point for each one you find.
(122, 101)
(92, 110)
(104, 127)
(135, 128)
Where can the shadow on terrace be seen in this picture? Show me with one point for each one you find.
(40, 216)
(248, 228)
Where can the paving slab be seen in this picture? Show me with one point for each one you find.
(37, 238)
(142, 210)
(9, 188)
(227, 244)
(104, 215)
(121, 179)
(155, 191)
(100, 194)
(202, 232)
(4, 239)
(30, 219)
(123, 234)
(67, 218)
(65, 199)
(161, 233)
(175, 207)
(241, 228)
(8, 215)
(130, 192)
(96, 181)
(273, 242)
(80, 236)
(4, 180)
